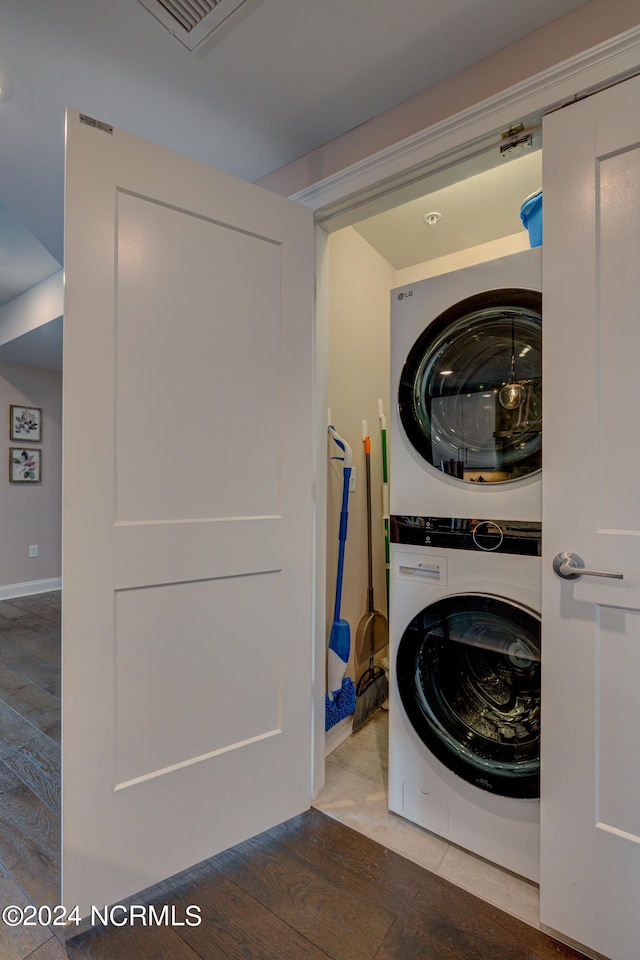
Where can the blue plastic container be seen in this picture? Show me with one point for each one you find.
(531, 216)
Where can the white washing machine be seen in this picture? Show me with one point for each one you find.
(465, 432)
(464, 712)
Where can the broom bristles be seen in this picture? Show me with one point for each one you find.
(370, 695)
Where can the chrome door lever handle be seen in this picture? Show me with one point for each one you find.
(570, 566)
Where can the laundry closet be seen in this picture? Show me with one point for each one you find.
(590, 828)
(590, 572)
(468, 214)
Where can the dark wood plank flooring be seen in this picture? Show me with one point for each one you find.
(30, 673)
(306, 890)
(311, 889)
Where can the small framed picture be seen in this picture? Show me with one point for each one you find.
(25, 465)
(26, 423)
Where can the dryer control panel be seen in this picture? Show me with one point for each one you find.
(500, 536)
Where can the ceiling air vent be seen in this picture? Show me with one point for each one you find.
(192, 21)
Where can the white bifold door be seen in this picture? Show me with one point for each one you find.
(188, 512)
(590, 863)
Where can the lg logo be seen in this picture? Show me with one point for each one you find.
(409, 293)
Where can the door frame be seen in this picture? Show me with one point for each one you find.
(359, 190)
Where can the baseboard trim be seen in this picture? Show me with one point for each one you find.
(337, 735)
(29, 588)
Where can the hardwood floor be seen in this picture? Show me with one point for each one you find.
(309, 889)
(29, 766)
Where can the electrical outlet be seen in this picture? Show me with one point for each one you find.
(352, 480)
(33, 551)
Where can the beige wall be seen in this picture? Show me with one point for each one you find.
(31, 513)
(463, 258)
(359, 284)
(568, 36)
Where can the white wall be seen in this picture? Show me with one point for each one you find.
(32, 309)
(30, 513)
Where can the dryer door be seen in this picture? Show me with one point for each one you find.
(470, 395)
(468, 674)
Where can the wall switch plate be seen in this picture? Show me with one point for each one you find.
(33, 551)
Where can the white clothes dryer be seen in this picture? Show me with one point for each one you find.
(464, 712)
(466, 385)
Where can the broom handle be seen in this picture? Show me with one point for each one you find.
(367, 466)
(342, 536)
(346, 458)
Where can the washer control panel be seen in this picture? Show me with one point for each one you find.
(500, 536)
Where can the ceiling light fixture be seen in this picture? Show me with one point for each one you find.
(432, 218)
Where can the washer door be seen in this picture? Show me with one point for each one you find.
(468, 673)
(470, 395)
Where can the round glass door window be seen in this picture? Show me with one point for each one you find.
(468, 673)
(470, 395)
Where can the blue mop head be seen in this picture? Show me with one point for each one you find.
(342, 705)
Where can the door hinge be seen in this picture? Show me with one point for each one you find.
(516, 138)
(98, 124)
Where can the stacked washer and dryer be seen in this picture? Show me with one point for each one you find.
(465, 504)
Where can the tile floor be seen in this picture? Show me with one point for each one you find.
(355, 793)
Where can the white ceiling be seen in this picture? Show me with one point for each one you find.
(286, 78)
(475, 210)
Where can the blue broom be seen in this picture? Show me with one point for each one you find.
(339, 688)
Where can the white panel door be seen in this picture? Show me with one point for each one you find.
(590, 857)
(188, 456)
